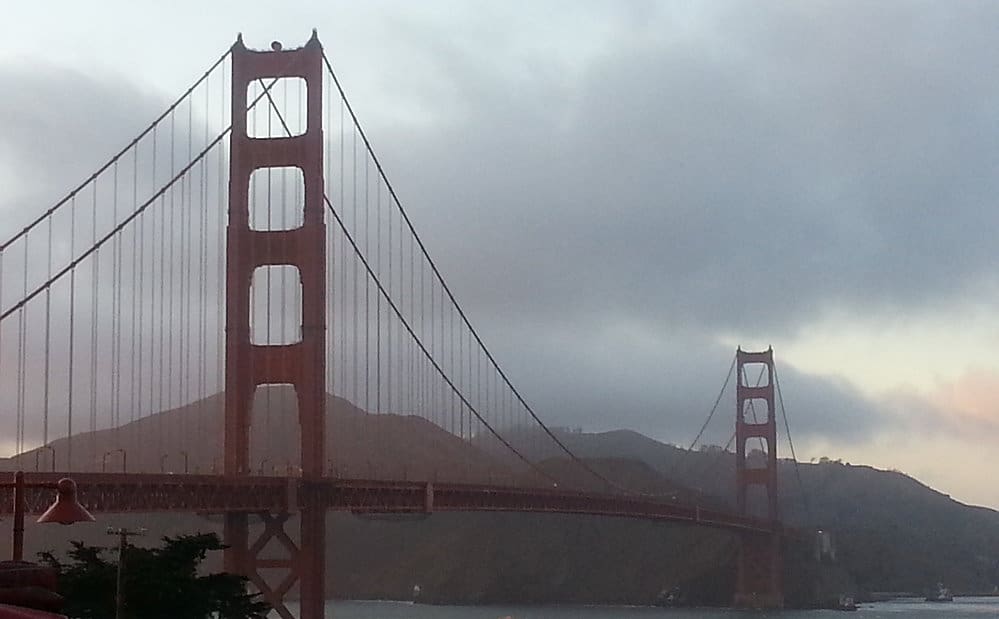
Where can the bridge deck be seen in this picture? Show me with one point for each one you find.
(125, 492)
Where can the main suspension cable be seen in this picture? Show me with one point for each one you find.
(98, 243)
(794, 457)
(721, 393)
(446, 289)
(399, 315)
(116, 156)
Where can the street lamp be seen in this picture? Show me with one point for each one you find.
(38, 453)
(119, 594)
(65, 510)
(124, 460)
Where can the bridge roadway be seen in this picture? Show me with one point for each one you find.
(132, 492)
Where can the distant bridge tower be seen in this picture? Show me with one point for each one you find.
(300, 364)
(759, 582)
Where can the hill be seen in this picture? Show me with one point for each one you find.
(358, 444)
(890, 532)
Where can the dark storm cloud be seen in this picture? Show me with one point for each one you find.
(664, 383)
(745, 180)
(57, 126)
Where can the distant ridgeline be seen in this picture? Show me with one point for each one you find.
(890, 533)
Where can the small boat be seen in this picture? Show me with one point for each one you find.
(672, 598)
(942, 594)
(846, 603)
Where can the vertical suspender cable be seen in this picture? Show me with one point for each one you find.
(354, 296)
(21, 352)
(2, 279)
(412, 312)
(220, 254)
(343, 266)
(141, 334)
(116, 265)
(95, 306)
(330, 280)
(203, 274)
(168, 240)
(135, 363)
(451, 366)
(378, 300)
(187, 282)
(367, 313)
(184, 280)
(268, 271)
(388, 316)
(794, 457)
(48, 339)
(400, 381)
(202, 267)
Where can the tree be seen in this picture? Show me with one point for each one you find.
(159, 583)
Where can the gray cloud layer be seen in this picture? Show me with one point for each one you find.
(811, 159)
(606, 218)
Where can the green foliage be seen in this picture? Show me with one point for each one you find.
(159, 583)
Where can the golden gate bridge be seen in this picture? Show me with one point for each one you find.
(242, 276)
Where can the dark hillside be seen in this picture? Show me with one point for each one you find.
(890, 532)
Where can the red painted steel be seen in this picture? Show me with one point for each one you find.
(301, 364)
(759, 580)
(240, 496)
(123, 492)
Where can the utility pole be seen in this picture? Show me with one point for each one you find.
(119, 594)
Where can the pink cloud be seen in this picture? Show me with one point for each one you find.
(968, 404)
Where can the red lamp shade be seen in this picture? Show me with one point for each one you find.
(66, 509)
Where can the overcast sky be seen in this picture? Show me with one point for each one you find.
(622, 193)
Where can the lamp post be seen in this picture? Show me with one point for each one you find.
(119, 593)
(38, 453)
(124, 460)
(65, 510)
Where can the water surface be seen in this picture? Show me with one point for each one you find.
(961, 608)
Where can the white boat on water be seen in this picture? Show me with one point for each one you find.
(942, 594)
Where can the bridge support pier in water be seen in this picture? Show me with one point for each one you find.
(759, 579)
(301, 364)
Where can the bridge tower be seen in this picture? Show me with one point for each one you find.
(759, 577)
(300, 364)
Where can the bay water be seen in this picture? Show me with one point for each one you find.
(961, 608)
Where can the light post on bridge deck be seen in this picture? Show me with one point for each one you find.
(166, 456)
(124, 460)
(38, 453)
